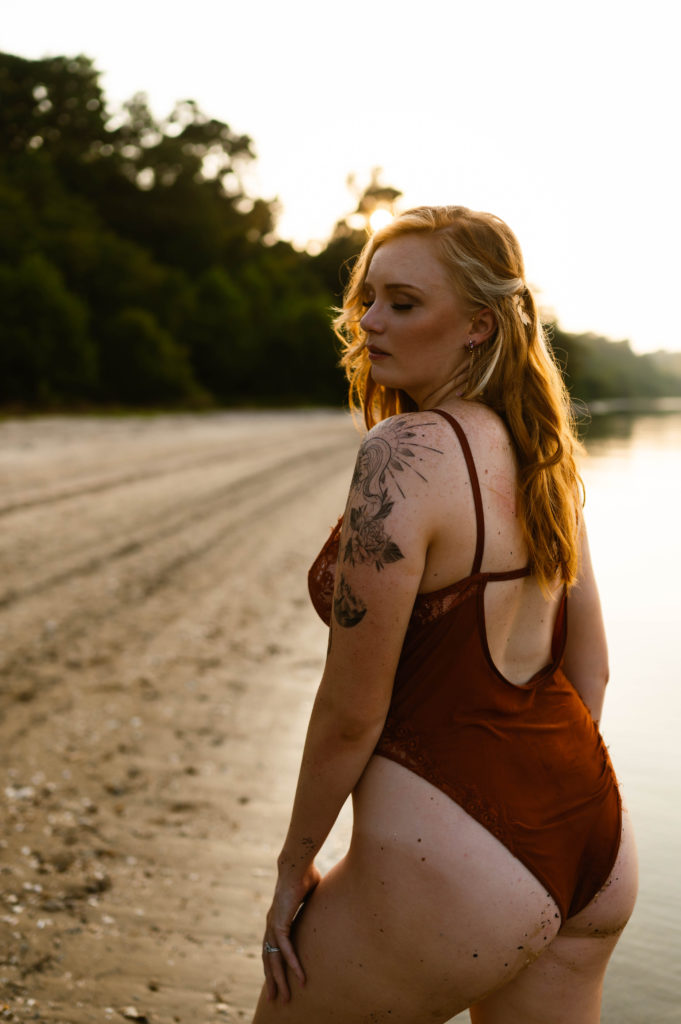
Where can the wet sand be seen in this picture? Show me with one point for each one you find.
(158, 659)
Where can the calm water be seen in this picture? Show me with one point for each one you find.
(633, 482)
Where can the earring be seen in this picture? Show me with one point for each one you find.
(471, 344)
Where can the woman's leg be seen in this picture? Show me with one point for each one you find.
(565, 985)
(426, 914)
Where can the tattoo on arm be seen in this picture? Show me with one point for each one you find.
(371, 493)
(348, 608)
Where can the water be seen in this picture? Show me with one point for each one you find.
(633, 481)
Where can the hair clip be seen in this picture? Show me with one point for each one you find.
(521, 311)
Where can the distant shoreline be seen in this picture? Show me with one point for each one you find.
(594, 407)
(604, 406)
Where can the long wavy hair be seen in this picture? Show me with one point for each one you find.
(513, 372)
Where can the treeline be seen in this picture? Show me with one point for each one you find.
(135, 269)
(597, 368)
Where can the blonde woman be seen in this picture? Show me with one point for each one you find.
(491, 866)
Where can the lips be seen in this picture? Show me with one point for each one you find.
(374, 350)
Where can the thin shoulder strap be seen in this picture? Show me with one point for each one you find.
(475, 485)
(559, 638)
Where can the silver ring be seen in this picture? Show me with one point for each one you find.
(271, 949)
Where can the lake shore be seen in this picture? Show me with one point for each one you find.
(158, 657)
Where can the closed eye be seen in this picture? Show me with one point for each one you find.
(400, 307)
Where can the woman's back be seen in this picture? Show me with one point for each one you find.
(519, 616)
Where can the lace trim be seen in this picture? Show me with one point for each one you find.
(398, 743)
(321, 578)
(427, 607)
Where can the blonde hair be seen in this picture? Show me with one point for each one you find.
(513, 372)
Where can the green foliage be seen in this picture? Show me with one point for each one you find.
(334, 263)
(141, 363)
(135, 268)
(45, 348)
(19, 225)
(54, 103)
(595, 367)
(219, 335)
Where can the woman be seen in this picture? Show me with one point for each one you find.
(490, 865)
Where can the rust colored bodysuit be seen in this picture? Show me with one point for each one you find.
(525, 761)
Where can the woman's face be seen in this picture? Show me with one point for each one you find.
(417, 330)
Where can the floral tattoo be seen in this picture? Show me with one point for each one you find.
(376, 475)
(347, 607)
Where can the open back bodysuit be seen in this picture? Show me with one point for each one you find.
(525, 761)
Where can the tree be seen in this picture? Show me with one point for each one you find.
(596, 367)
(55, 104)
(175, 187)
(141, 363)
(219, 335)
(374, 196)
(20, 228)
(335, 262)
(134, 266)
(46, 352)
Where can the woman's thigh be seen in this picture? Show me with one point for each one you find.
(566, 984)
(427, 914)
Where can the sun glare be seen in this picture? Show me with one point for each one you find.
(379, 218)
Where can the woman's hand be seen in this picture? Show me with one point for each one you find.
(289, 894)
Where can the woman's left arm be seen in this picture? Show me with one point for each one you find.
(384, 540)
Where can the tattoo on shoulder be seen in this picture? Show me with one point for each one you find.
(376, 487)
(348, 608)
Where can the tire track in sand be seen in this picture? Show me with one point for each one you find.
(48, 605)
(155, 697)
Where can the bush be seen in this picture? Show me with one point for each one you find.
(141, 363)
(46, 352)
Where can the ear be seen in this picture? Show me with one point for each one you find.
(483, 327)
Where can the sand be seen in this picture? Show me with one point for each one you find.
(158, 659)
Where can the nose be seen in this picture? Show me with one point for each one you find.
(371, 321)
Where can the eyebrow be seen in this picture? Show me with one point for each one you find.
(397, 286)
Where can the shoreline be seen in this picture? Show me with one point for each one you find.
(159, 657)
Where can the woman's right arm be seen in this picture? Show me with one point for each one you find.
(586, 652)
(387, 528)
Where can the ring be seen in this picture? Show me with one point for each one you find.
(271, 949)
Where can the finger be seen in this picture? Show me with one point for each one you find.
(289, 955)
(270, 983)
(275, 979)
(277, 970)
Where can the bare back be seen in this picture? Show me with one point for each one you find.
(519, 617)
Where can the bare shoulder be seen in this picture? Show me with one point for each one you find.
(484, 428)
(403, 449)
(385, 537)
(420, 455)
(395, 463)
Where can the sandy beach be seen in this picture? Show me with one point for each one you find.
(158, 657)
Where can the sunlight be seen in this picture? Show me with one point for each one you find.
(379, 218)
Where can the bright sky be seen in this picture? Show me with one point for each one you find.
(560, 118)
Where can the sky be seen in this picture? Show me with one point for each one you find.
(563, 119)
